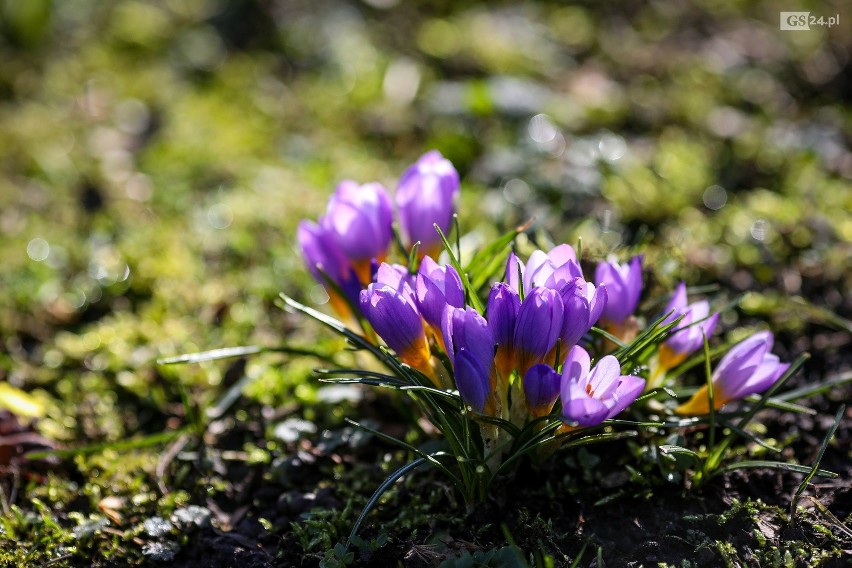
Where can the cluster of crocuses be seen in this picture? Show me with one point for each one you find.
(513, 351)
(528, 349)
(356, 232)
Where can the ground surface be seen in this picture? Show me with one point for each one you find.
(155, 159)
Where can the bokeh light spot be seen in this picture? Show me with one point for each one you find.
(715, 197)
(38, 249)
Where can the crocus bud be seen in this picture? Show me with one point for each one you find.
(583, 306)
(464, 328)
(538, 327)
(748, 368)
(360, 218)
(503, 306)
(425, 197)
(472, 379)
(321, 255)
(541, 389)
(590, 396)
(395, 318)
(688, 336)
(623, 286)
(436, 288)
(471, 351)
(320, 252)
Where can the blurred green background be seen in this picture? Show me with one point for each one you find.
(156, 156)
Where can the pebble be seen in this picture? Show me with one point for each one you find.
(157, 526)
(160, 551)
(192, 515)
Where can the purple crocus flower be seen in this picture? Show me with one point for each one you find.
(320, 252)
(321, 255)
(592, 395)
(583, 305)
(465, 328)
(688, 336)
(425, 197)
(395, 318)
(472, 379)
(541, 389)
(538, 326)
(436, 288)
(748, 368)
(359, 218)
(555, 269)
(623, 286)
(502, 311)
(503, 307)
(470, 349)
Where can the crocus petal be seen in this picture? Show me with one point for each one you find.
(359, 217)
(605, 272)
(514, 272)
(709, 325)
(591, 396)
(447, 333)
(576, 321)
(603, 378)
(769, 371)
(634, 282)
(563, 254)
(535, 263)
(748, 368)
(576, 368)
(397, 277)
(541, 388)
(553, 269)
(471, 379)
(685, 334)
(425, 197)
(319, 251)
(321, 255)
(437, 287)
(464, 328)
(741, 361)
(676, 305)
(539, 323)
(561, 277)
(597, 304)
(678, 301)
(699, 310)
(580, 408)
(394, 317)
(503, 306)
(607, 275)
(688, 336)
(626, 392)
(624, 286)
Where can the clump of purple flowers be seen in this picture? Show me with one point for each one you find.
(541, 341)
